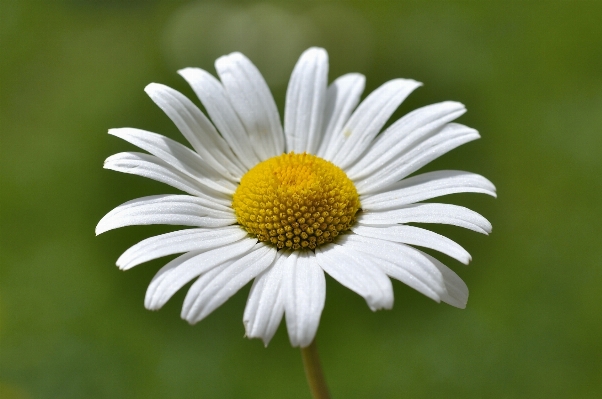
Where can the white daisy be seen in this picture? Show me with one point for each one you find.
(328, 193)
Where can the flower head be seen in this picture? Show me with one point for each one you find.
(329, 193)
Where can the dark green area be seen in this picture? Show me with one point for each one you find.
(530, 73)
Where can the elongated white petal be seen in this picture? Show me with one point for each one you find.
(451, 136)
(456, 290)
(251, 98)
(367, 120)
(429, 213)
(426, 186)
(415, 236)
(183, 210)
(305, 98)
(265, 305)
(179, 242)
(215, 100)
(216, 286)
(173, 276)
(197, 129)
(401, 262)
(342, 97)
(140, 164)
(305, 297)
(357, 272)
(413, 128)
(180, 157)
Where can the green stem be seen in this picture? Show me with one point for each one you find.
(313, 372)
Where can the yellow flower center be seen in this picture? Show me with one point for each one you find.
(295, 201)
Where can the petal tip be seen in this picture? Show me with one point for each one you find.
(488, 229)
(414, 82)
(315, 52)
(156, 91)
(187, 70)
(235, 56)
(151, 304)
(152, 87)
(121, 263)
(464, 258)
(190, 73)
(458, 302)
(187, 315)
(124, 267)
(455, 104)
(100, 228)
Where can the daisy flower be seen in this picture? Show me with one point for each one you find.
(281, 205)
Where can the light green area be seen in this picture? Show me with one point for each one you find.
(530, 73)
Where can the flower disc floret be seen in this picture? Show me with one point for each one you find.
(296, 201)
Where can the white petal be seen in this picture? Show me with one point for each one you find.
(305, 297)
(401, 262)
(342, 97)
(456, 290)
(265, 306)
(426, 186)
(140, 164)
(216, 286)
(179, 242)
(180, 157)
(429, 213)
(197, 129)
(183, 210)
(215, 100)
(251, 98)
(305, 99)
(367, 120)
(357, 272)
(451, 136)
(413, 128)
(415, 236)
(173, 276)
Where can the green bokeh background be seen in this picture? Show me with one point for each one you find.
(530, 74)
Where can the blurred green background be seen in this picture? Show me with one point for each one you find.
(530, 74)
